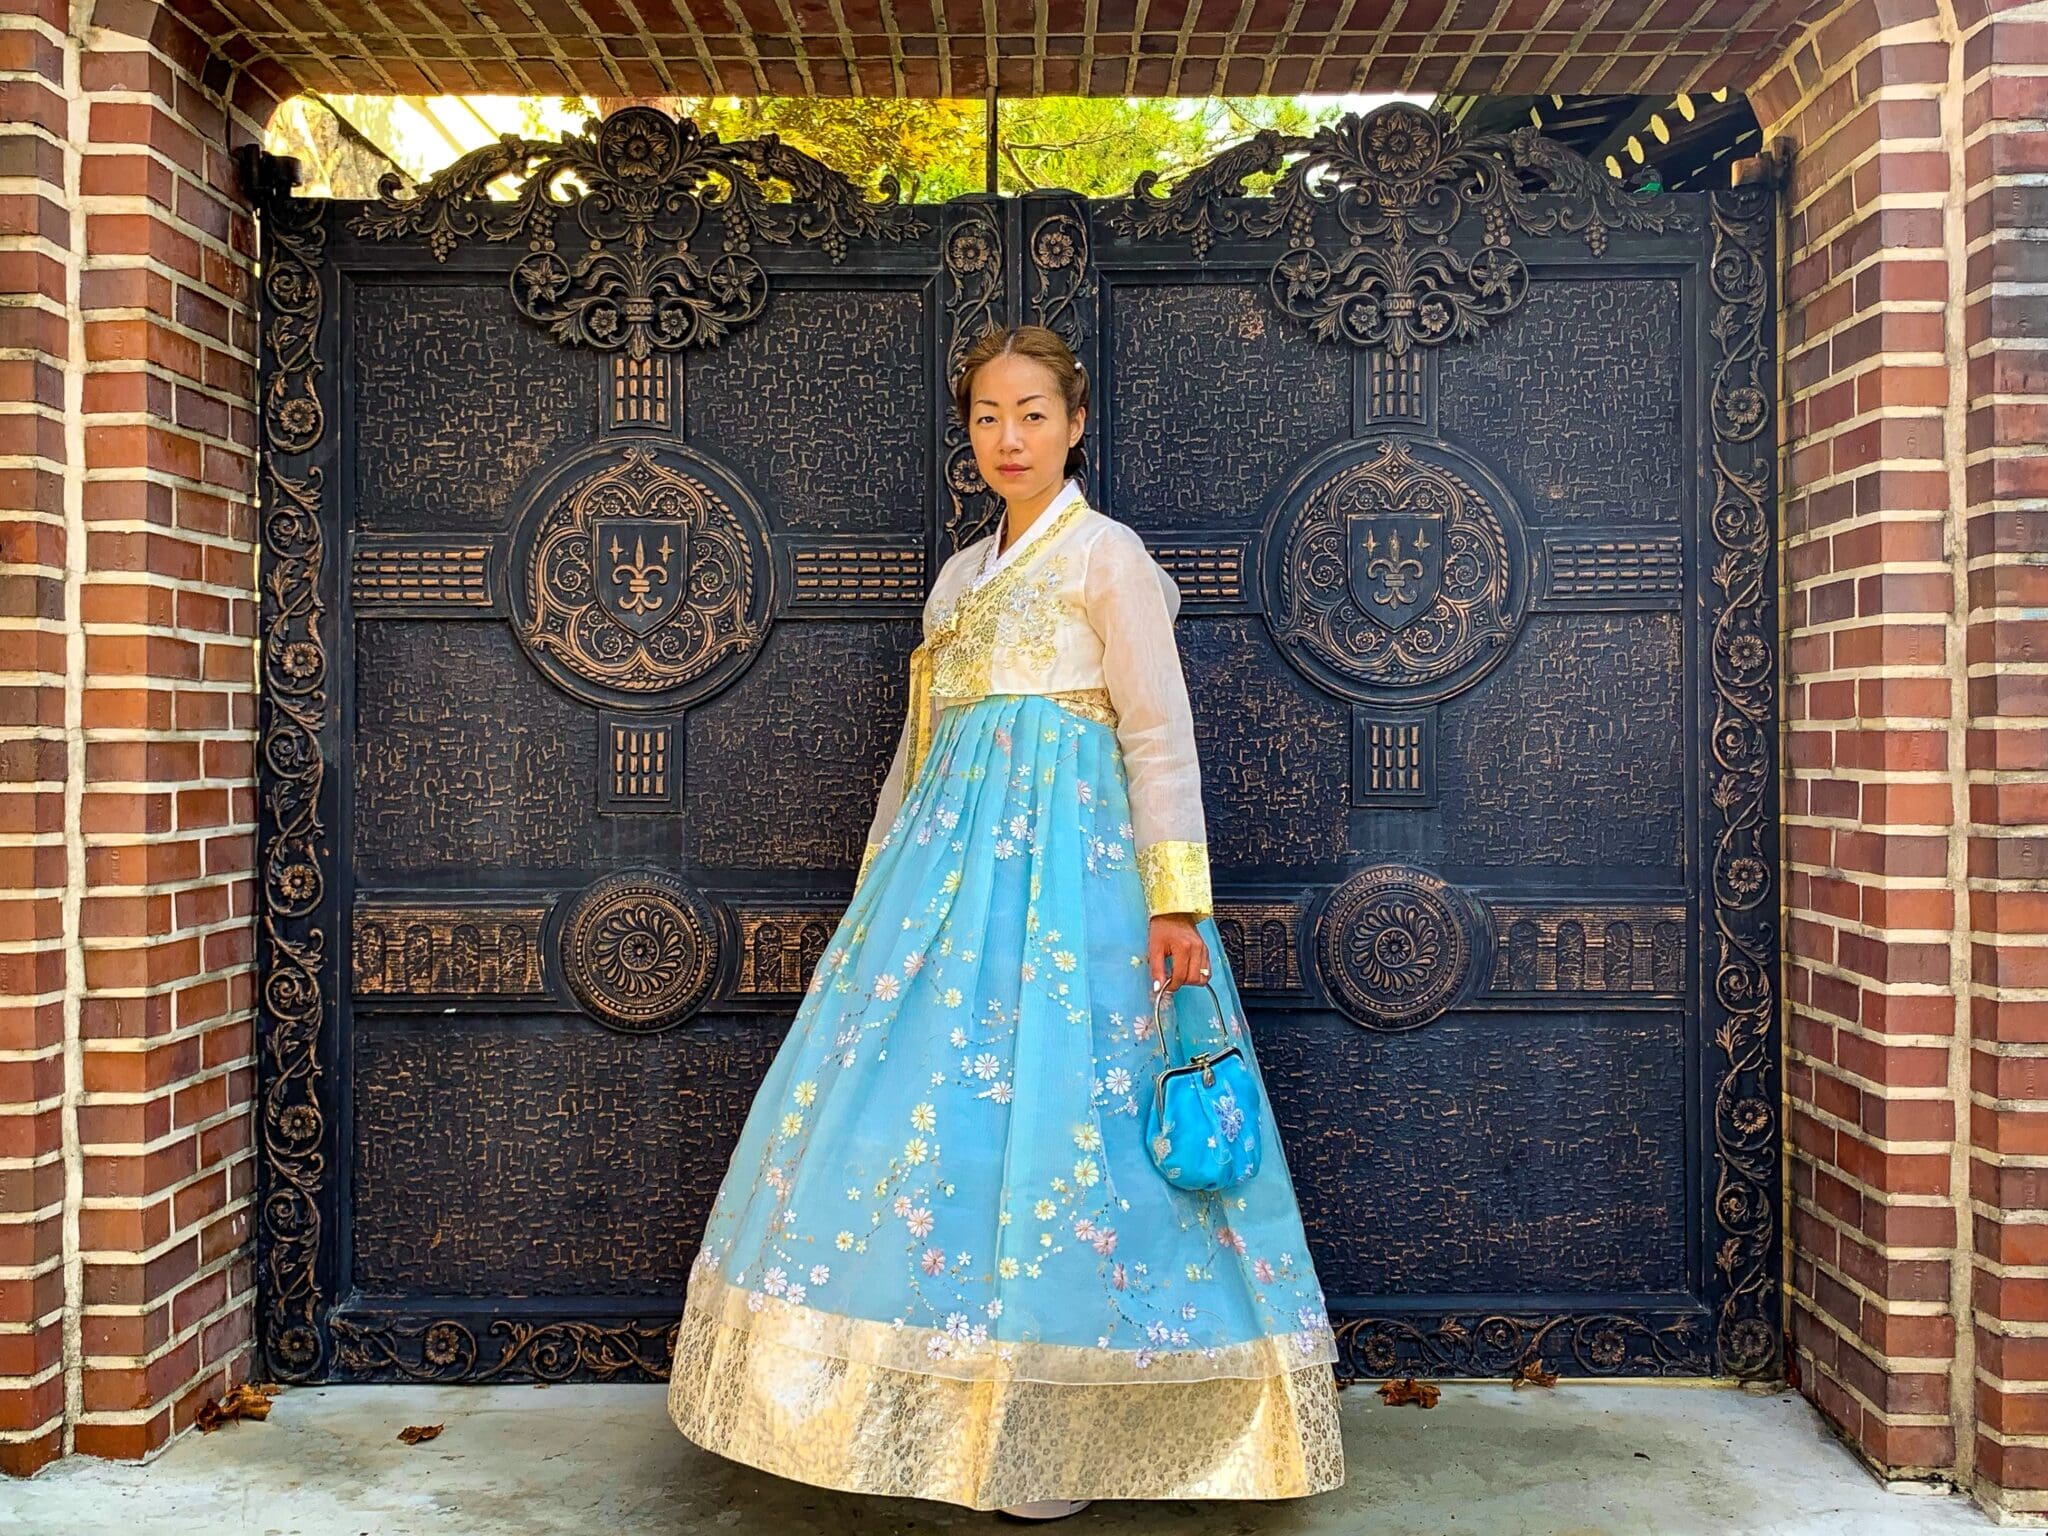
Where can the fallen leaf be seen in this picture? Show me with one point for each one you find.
(1408, 1390)
(244, 1402)
(418, 1434)
(1532, 1374)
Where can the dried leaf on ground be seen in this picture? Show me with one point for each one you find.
(1532, 1374)
(419, 1434)
(1408, 1390)
(244, 1402)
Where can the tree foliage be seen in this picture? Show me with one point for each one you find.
(934, 149)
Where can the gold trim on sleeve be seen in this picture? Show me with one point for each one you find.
(866, 859)
(1176, 877)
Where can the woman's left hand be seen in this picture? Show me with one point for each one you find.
(1175, 934)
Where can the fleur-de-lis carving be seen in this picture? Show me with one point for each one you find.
(640, 574)
(1394, 569)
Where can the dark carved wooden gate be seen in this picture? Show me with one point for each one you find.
(597, 521)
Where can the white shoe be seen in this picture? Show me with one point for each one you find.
(1046, 1509)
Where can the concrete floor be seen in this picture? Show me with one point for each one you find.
(603, 1461)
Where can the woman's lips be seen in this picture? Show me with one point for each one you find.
(1010, 469)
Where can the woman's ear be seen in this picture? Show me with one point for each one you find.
(1078, 426)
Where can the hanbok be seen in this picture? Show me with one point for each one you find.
(941, 1263)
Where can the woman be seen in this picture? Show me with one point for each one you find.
(942, 1263)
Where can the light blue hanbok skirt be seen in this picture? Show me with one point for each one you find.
(941, 1263)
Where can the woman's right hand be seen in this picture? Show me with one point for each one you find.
(1174, 937)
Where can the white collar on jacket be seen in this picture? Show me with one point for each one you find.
(991, 562)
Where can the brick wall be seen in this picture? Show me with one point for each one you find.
(1916, 763)
(38, 282)
(126, 1046)
(2001, 72)
(1916, 497)
(1871, 735)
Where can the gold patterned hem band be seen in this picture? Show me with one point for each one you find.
(753, 1397)
(933, 1351)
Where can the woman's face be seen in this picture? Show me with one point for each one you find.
(1020, 427)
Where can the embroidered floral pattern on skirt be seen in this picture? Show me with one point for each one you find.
(941, 1206)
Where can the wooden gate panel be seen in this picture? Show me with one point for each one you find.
(548, 863)
(497, 1163)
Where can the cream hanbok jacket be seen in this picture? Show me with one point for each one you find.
(1078, 610)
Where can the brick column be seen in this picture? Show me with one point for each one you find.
(39, 535)
(127, 1059)
(1875, 712)
(2001, 75)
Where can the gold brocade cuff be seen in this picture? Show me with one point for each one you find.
(1176, 877)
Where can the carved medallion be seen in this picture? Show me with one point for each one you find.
(642, 571)
(1397, 946)
(1396, 571)
(640, 951)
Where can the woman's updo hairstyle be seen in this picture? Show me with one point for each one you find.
(1041, 346)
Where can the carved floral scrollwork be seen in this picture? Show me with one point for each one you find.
(1501, 1344)
(1743, 864)
(1392, 571)
(641, 577)
(296, 845)
(449, 1350)
(973, 256)
(637, 185)
(1400, 180)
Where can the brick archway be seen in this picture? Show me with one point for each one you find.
(1915, 382)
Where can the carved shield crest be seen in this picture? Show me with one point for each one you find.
(1395, 562)
(641, 564)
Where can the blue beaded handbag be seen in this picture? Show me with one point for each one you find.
(1203, 1125)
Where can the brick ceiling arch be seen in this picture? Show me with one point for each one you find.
(932, 47)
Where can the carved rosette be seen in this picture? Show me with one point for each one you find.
(1396, 571)
(1398, 946)
(645, 573)
(640, 951)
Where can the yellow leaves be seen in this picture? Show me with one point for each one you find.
(1532, 1374)
(419, 1434)
(1398, 1394)
(251, 1400)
